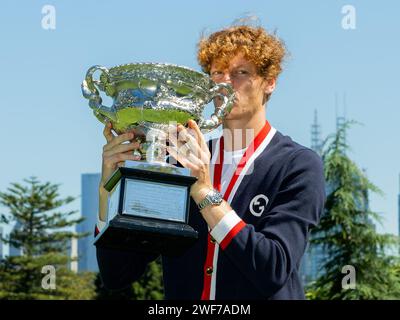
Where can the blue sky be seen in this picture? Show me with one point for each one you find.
(47, 129)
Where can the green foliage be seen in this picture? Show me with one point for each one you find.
(43, 240)
(347, 233)
(148, 287)
(22, 279)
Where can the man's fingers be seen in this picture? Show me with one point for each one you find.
(174, 153)
(122, 148)
(195, 160)
(183, 161)
(199, 136)
(172, 137)
(179, 139)
(184, 149)
(184, 137)
(107, 132)
(120, 157)
(186, 144)
(118, 140)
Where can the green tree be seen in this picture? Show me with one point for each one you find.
(348, 236)
(150, 285)
(43, 239)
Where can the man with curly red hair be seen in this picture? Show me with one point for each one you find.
(254, 200)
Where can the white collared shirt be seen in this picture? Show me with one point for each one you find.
(231, 161)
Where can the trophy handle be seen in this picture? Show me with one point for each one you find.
(90, 90)
(220, 113)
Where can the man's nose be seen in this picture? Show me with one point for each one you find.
(227, 77)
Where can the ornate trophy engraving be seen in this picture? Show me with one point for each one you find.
(148, 205)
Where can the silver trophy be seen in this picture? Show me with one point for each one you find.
(148, 207)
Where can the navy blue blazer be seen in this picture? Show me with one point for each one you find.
(262, 260)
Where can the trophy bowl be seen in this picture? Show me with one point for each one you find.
(149, 199)
(154, 93)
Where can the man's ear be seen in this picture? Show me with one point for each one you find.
(270, 86)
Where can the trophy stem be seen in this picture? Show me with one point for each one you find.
(155, 146)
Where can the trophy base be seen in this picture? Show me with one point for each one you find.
(147, 235)
(148, 211)
(157, 167)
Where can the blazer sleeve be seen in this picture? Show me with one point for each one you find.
(267, 256)
(118, 269)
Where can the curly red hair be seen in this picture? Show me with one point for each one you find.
(266, 51)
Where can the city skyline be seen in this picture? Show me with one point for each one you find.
(89, 207)
(48, 130)
(89, 204)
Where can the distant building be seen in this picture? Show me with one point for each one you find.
(89, 209)
(340, 119)
(72, 253)
(1, 243)
(399, 207)
(316, 141)
(14, 251)
(313, 256)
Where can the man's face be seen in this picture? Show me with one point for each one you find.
(250, 88)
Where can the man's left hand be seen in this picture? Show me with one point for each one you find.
(189, 147)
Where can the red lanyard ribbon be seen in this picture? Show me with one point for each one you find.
(251, 149)
(209, 263)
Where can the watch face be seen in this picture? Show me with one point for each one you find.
(216, 197)
(212, 198)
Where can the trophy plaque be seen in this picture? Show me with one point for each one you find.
(148, 199)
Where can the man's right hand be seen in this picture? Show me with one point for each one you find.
(115, 151)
